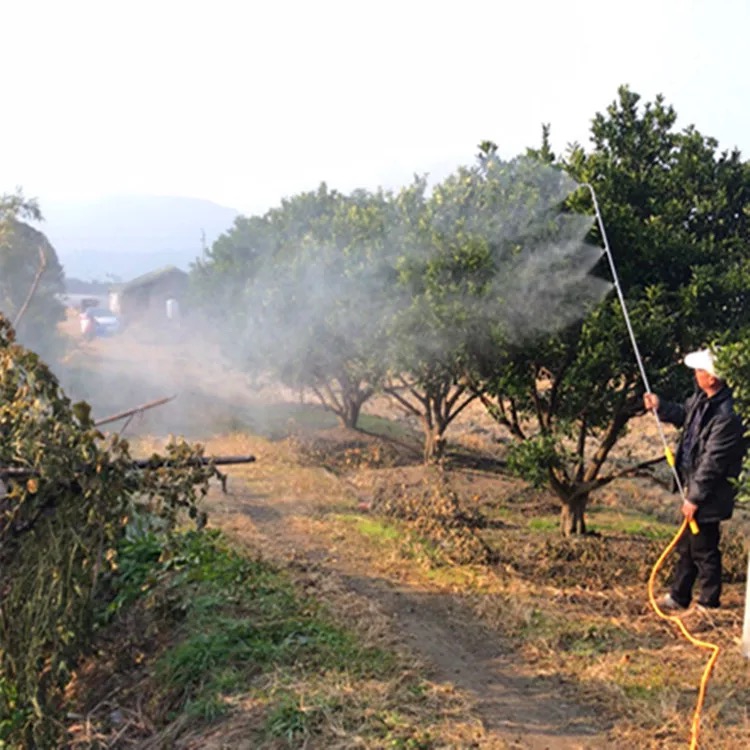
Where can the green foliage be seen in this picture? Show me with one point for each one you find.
(13, 717)
(61, 520)
(289, 720)
(543, 524)
(23, 250)
(488, 261)
(482, 287)
(533, 459)
(342, 291)
(138, 552)
(309, 285)
(733, 362)
(676, 213)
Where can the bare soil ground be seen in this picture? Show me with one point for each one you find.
(290, 523)
(306, 500)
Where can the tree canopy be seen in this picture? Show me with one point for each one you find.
(30, 276)
(493, 285)
(676, 239)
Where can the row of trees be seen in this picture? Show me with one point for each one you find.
(483, 287)
(491, 286)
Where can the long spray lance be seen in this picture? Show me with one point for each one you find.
(613, 269)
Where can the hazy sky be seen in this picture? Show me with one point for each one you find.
(244, 102)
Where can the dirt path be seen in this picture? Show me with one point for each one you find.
(288, 512)
(284, 513)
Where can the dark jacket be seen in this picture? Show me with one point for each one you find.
(715, 455)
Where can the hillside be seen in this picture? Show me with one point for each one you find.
(120, 237)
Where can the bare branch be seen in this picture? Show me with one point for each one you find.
(497, 412)
(630, 471)
(134, 410)
(32, 290)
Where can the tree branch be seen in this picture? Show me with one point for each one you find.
(32, 290)
(581, 449)
(595, 484)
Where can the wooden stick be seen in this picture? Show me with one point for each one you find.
(134, 410)
(22, 472)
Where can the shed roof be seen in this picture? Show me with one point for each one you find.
(147, 279)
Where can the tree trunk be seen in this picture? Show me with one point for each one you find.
(434, 445)
(437, 405)
(572, 520)
(343, 397)
(350, 414)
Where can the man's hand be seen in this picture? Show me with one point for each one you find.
(689, 509)
(650, 401)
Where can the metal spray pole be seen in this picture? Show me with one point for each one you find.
(639, 360)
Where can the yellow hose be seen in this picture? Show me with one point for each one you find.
(681, 625)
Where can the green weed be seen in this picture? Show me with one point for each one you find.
(590, 638)
(544, 524)
(377, 530)
(288, 719)
(238, 619)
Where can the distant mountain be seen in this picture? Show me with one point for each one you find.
(121, 237)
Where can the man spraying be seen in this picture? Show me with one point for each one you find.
(709, 455)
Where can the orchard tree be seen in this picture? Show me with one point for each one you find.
(487, 261)
(733, 360)
(675, 212)
(220, 276)
(244, 270)
(306, 288)
(430, 316)
(328, 305)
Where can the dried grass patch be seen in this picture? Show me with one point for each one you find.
(575, 609)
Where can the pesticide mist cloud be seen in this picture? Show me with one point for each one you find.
(541, 278)
(491, 247)
(549, 285)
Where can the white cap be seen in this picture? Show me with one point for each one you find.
(702, 360)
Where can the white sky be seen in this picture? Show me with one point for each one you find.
(245, 102)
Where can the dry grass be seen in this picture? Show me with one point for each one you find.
(573, 612)
(586, 617)
(575, 609)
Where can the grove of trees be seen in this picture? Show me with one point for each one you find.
(492, 285)
(488, 287)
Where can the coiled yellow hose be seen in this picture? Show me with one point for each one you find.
(712, 647)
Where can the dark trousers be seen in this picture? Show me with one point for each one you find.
(699, 559)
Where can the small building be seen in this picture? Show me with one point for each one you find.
(146, 296)
(81, 302)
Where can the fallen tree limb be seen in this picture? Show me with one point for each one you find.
(24, 472)
(134, 410)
